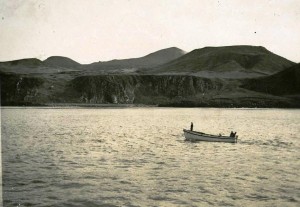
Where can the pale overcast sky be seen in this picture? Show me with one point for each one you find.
(97, 30)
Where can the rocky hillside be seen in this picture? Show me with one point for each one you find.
(226, 62)
(286, 82)
(208, 77)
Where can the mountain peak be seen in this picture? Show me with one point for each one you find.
(165, 55)
(171, 51)
(60, 61)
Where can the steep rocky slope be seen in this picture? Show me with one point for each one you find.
(164, 90)
(145, 89)
(19, 90)
(169, 90)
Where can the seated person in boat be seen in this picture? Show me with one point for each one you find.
(232, 134)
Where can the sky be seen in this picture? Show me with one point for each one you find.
(101, 30)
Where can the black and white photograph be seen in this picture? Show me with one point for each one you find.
(159, 103)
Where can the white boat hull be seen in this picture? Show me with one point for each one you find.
(199, 136)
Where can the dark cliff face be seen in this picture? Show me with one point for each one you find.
(104, 89)
(168, 90)
(145, 89)
(18, 90)
(163, 90)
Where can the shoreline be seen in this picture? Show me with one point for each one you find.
(118, 106)
(75, 105)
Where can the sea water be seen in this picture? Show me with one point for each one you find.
(138, 157)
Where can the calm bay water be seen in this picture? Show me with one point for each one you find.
(138, 157)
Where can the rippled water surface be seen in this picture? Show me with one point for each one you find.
(138, 157)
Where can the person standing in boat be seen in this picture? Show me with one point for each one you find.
(192, 126)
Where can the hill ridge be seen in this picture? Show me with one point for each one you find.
(243, 59)
(150, 60)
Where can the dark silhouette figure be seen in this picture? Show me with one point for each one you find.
(192, 126)
(231, 134)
